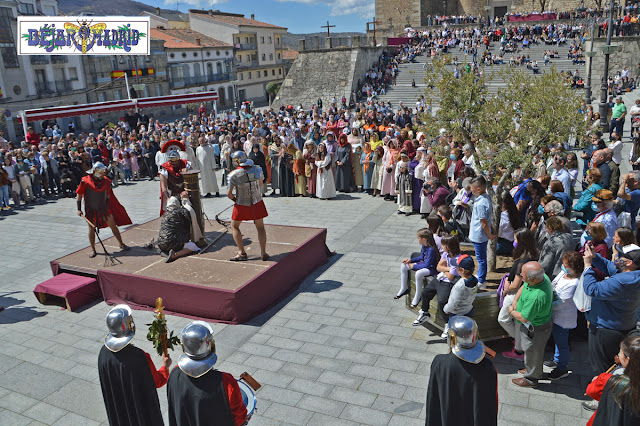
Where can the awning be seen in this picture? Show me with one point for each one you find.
(109, 106)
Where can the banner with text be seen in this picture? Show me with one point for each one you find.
(84, 35)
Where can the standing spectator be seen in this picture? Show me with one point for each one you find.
(616, 146)
(630, 192)
(603, 201)
(599, 161)
(618, 115)
(435, 193)
(480, 227)
(614, 301)
(565, 314)
(558, 242)
(583, 204)
(32, 137)
(561, 174)
(532, 307)
(509, 222)
(614, 180)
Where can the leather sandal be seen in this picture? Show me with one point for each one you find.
(240, 257)
(265, 257)
(124, 247)
(93, 254)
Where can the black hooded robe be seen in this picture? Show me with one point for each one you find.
(128, 388)
(462, 393)
(198, 401)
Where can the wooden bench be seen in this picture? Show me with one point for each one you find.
(74, 290)
(485, 311)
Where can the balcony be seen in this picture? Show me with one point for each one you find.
(63, 86)
(247, 46)
(10, 58)
(45, 89)
(39, 60)
(178, 83)
(59, 59)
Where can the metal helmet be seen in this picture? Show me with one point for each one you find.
(463, 339)
(121, 328)
(173, 155)
(247, 163)
(238, 157)
(98, 169)
(199, 349)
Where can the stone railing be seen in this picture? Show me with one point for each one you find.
(317, 42)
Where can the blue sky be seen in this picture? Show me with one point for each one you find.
(299, 16)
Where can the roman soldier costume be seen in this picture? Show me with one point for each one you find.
(197, 393)
(99, 200)
(463, 385)
(170, 172)
(128, 377)
(246, 179)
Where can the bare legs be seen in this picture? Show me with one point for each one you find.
(114, 229)
(262, 236)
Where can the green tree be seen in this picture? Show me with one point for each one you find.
(272, 89)
(506, 130)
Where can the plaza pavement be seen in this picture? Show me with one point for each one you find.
(338, 351)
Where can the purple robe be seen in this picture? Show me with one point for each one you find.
(416, 185)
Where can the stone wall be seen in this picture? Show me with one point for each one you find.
(528, 6)
(628, 55)
(325, 74)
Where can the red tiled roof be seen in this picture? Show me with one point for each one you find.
(233, 19)
(185, 39)
(289, 54)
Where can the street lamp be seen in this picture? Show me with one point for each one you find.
(590, 54)
(607, 50)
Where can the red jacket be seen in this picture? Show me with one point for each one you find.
(595, 389)
(33, 139)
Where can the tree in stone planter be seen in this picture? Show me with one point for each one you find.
(272, 89)
(505, 131)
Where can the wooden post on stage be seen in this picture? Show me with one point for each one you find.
(192, 186)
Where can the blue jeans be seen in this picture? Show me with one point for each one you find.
(481, 257)
(4, 196)
(561, 337)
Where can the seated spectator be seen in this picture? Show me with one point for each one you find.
(509, 222)
(619, 390)
(557, 191)
(423, 265)
(557, 243)
(451, 226)
(524, 251)
(463, 292)
(583, 205)
(565, 314)
(614, 301)
(603, 201)
(532, 308)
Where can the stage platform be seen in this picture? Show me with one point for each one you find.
(205, 286)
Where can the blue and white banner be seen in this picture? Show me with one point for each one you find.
(84, 35)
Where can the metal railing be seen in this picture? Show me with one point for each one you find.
(45, 89)
(10, 59)
(63, 86)
(39, 60)
(59, 59)
(197, 80)
(248, 46)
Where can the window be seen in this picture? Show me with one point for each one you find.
(254, 58)
(102, 97)
(270, 41)
(271, 56)
(239, 58)
(241, 76)
(249, 75)
(73, 73)
(209, 53)
(195, 54)
(279, 71)
(146, 91)
(158, 90)
(237, 40)
(278, 56)
(278, 41)
(273, 72)
(265, 73)
(246, 39)
(261, 40)
(117, 94)
(264, 57)
(27, 9)
(8, 49)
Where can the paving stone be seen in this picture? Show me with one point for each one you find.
(291, 356)
(324, 420)
(21, 379)
(286, 413)
(322, 350)
(72, 419)
(321, 405)
(45, 413)
(334, 365)
(280, 395)
(512, 412)
(264, 363)
(80, 397)
(301, 371)
(17, 402)
(340, 379)
(310, 387)
(365, 415)
(9, 418)
(382, 388)
(280, 342)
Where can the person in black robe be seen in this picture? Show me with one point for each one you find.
(287, 178)
(128, 377)
(257, 156)
(463, 385)
(198, 394)
(344, 172)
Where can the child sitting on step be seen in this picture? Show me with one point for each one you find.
(423, 265)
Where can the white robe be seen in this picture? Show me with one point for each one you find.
(207, 164)
(191, 156)
(420, 172)
(325, 184)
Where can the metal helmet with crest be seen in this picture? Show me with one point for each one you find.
(199, 349)
(462, 338)
(121, 328)
(238, 158)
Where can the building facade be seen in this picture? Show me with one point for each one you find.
(258, 58)
(35, 81)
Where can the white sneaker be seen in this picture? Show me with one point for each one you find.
(482, 286)
(423, 317)
(445, 333)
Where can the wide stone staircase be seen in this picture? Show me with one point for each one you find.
(403, 91)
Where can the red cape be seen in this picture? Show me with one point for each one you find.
(118, 212)
(175, 170)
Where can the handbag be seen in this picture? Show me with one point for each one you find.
(501, 290)
(580, 298)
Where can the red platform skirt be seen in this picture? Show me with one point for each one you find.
(256, 211)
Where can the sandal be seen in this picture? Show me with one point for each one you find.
(93, 254)
(124, 247)
(401, 294)
(240, 257)
(170, 257)
(265, 257)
